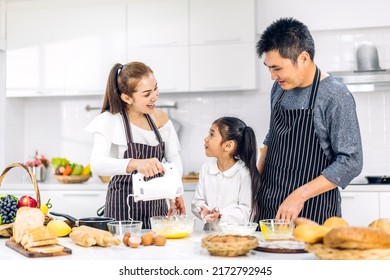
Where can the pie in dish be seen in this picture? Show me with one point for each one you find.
(229, 245)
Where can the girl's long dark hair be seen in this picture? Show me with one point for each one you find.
(123, 79)
(234, 129)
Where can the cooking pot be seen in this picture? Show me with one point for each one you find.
(96, 222)
(378, 179)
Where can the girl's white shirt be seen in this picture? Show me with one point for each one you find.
(230, 191)
(110, 144)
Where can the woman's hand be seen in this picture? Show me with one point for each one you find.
(148, 167)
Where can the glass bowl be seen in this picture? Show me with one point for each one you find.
(173, 227)
(119, 228)
(242, 229)
(273, 230)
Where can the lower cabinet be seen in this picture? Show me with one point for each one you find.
(384, 210)
(360, 208)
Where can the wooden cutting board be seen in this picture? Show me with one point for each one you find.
(18, 248)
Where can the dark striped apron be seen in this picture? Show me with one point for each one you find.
(119, 205)
(295, 157)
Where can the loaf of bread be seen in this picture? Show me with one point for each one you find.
(39, 236)
(310, 233)
(82, 238)
(382, 224)
(301, 220)
(26, 218)
(54, 248)
(335, 221)
(348, 237)
(103, 238)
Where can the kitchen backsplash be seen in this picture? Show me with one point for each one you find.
(55, 126)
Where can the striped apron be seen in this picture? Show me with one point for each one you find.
(295, 157)
(119, 205)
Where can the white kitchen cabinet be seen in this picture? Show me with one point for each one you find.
(77, 203)
(222, 67)
(169, 64)
(326, 15)
(222, 21)
(384, 200)
(157, 34)
(2, 24)
(189, 191)
(360, 208)
(222, 45)
(63, 47)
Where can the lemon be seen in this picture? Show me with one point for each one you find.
(44, 208)
(86, 170)
(59, 227)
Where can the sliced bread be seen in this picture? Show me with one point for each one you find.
(26, 218)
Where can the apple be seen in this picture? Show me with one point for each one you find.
(28, 201)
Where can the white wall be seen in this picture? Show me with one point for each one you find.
(55, 126)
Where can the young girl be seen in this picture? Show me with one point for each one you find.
(226, 187)
(130, 136)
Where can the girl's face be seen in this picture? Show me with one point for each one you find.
(213, 142)
(146, 95)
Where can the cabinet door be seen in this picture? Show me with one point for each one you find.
(79, 204)
(360, 208)
(188, 196)
(35, 50)
(95, 41)
(222, 21)
(222, 67)
(170, 66)
(157, 23)
(2, 24)
(385, 205)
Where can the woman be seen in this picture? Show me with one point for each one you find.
(130, 136)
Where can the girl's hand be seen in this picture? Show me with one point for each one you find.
(148, 167)
(214, 215)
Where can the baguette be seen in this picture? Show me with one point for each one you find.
(103, 238)
(82, 238)
(347, 237)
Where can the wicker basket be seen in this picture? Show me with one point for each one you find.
(75, 179)
(229, 245)
(6, 230)
(326, 253)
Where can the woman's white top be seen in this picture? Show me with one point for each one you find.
(230, 191)
(110, 144)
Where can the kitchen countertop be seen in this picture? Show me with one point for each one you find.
(188, 248)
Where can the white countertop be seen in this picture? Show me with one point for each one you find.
(188, 248)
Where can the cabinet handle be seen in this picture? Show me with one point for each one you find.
(232, 40)
(236, 87)
(154, 44)
(347, 196)
(81, 194)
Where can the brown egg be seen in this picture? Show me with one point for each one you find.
(160, 240)
(126, 238)
(147, 239)
(134, 242)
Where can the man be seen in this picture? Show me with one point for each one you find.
(313, 144)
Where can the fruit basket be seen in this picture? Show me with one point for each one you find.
(229, 245)
(72, 179)
(6, 229)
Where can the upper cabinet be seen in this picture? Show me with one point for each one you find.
(157, 34)
(195, 45)
(222, 45)
(63, 47)
(326, 15)
(2, 24)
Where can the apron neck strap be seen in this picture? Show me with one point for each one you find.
(314, 87)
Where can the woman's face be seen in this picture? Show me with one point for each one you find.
(213, 142)
(285, 72)
(146, 95)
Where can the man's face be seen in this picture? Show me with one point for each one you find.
(285, 72)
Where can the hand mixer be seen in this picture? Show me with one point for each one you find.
(169, 185)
